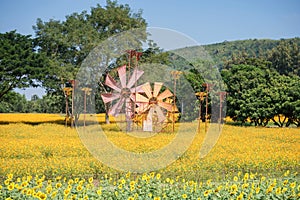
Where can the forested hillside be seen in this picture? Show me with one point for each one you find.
(252, 47)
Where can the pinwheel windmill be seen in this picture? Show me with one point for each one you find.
(123, 93)
(154, 104)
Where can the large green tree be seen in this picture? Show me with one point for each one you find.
(67, 43)
(20, 65)
(261, 95)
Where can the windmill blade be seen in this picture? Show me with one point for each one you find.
(150, 114)
(138, 98)
(165, 94)
(109, 81)
(157, 87)
(160, 115)
(135, 76)
(122, 75)
(108, 97)
(115, 110)
(147, 89)
(165, 105)
(137, 89)
(142, 107)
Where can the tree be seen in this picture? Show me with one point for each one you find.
(20, 65)
(68, 43)
(285, 57)
(13, 102)
(261, 95)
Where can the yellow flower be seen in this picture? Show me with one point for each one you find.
(158, 176)
(235, 178)
(240, 197)
(42, 196)
(132, 183)
(66, 192)
(54, 194)
(278, 191)
(8, 198)
(76, 180)
(285, 182)
(29, 192)
(184, 196)
(245, 185)
(132, 188)
(127, 175)
(11, 186)
(208, 182)
(206, 193)
(257, 190)
(293, 185)
(91, 180)
(246, 177)
(10, 176)
(79, 187)
(130, 198)
(120, 186)
(99, 192)
(24, 184)
(70, 182)
(156, 198)
(48, 189)
(58, 185)
(6, 182)
(269, 190)
(284, 190)
(152, 174)
(287, 173)
(85, 197)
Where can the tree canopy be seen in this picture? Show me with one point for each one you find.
(20, 64)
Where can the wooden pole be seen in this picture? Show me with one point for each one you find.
(175, 75)
(222, 96)
(200, 95)
(208, 86)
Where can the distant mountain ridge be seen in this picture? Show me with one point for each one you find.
(223, 51)
(253, 47)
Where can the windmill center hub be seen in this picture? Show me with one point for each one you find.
(125, 92)
(153, 100)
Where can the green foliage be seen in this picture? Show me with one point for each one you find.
(259, 94)
(285, 57)
(222, 52)
(20, 65)
(13, 102)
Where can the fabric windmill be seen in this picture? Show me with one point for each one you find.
(154, 103)
(123, 92)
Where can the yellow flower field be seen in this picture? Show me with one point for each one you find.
(40, 144)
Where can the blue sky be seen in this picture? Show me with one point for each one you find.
(207, 22)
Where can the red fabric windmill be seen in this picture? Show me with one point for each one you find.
(154, 102)
(123, 92)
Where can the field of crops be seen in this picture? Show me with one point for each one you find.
(41, 158)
